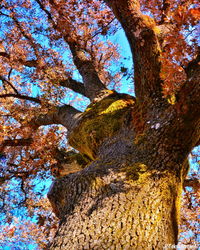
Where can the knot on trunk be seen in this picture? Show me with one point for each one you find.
(68, 162)
(101, 120)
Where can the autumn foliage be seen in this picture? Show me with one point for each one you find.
(47, 48)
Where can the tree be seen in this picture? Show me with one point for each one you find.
(120, 187)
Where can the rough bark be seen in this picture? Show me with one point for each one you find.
(65, 115)
(129, 196)
(142, 34)
(74, 85)
(86, 68)
(113, 208)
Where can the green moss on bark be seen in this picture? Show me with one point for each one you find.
(136, 172)
(100, 121)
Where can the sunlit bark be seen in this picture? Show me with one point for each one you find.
(129, 197)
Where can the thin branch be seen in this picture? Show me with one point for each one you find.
(103, 28)
(23, 191)
(23, 32)
(21, 176)
(27, 36)
(5, 54)
(9, 74)
(16, 142)
(46, 11)
(22, 97)
(5, 115)
(165, 11)
(194, 183)
(10, 84)
(29, 63)
(193, 65)
(69, 82)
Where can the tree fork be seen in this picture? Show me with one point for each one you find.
(129, 196)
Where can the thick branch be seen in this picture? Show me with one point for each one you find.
(187, 106)
(22, 97)
(194, 183)
(87, 70)
(165, 11)
(16, 142)
(193, 65)
(28, 63)
(198, 143)
(163, 30)
(74, 85)
(85, 66)
(67, 162)
(189, 95)
(65, 115)
(141, 33)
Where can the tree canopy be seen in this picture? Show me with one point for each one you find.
(58, 56)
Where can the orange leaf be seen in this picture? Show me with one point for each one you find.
(195, 13)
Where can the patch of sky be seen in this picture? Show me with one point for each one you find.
(15, 194)
(125, 62)
(18, 246)
(41, 185)
(194, 160)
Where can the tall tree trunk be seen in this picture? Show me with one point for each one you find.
(123, 209)
(129, 196)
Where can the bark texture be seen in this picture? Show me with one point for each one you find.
(129, 196)
(118, 210)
